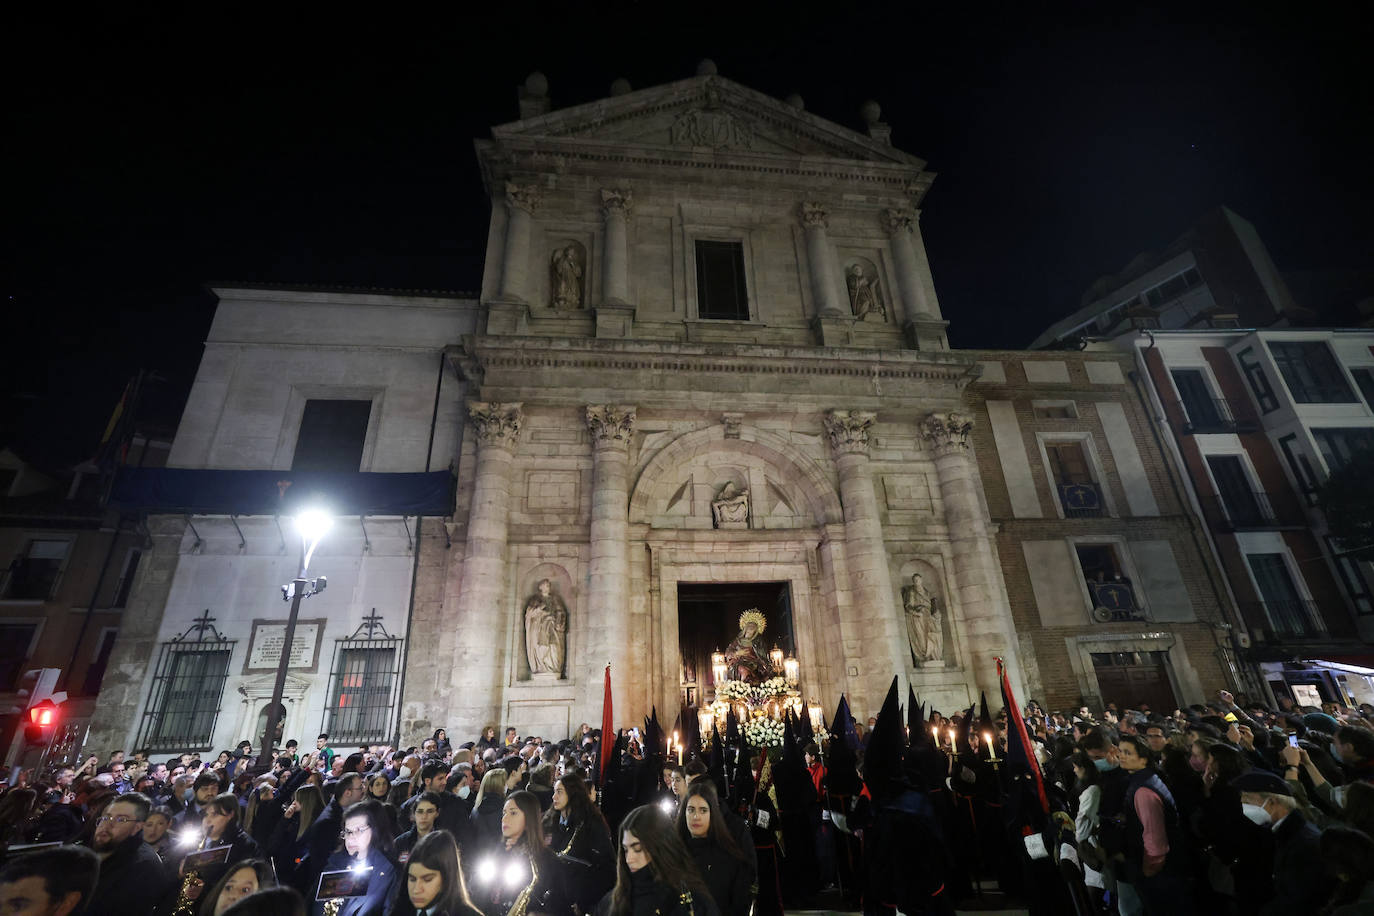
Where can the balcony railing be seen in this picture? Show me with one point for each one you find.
(1252, 513)
(1214, 415)
(1292, 619)
(1081, 500)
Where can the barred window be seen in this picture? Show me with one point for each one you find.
(188, 686)
(363, 686)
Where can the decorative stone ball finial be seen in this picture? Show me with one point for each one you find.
(537, 84)
(795, 101)
(707, 67)
(620, 87)
(871, 112)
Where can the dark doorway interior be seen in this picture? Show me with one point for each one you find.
(1130, 678)
(708, 618)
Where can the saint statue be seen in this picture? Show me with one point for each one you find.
(546, 630)
(922, 621)
(567, 278)
(730, 508)
(863, 293)
(743, 659)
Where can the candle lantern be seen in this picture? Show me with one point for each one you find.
(776, 658)
(718, 667)
(707, 720)
(817, 717)
(792, 670)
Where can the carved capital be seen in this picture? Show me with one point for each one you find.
(900, 220)
(848, 430)
(616, 201)
(813, 215)
(523, 197)
(611, 424)
(497, 425)
(947, 433)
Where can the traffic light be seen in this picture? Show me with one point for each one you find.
(43, 717)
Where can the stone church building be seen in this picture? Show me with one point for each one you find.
(707, 371)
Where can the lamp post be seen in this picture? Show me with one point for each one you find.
(311, 525)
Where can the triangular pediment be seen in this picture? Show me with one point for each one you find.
(704, 112)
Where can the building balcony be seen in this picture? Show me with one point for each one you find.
(1081, 500)
(1255, 512)
(1213, 415)
(1289, 619)
(1114, 602)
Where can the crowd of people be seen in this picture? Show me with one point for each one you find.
(1231, 807)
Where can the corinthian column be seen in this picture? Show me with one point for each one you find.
(521, 199)
(479, 668)
(881, 629)
(615, 277)
(823, 285)
(608, 572)
(987, 625)
(913, 271)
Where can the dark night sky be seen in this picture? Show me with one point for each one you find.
(150, 155)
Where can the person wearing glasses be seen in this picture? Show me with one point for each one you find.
(364, 843)
(132, 879)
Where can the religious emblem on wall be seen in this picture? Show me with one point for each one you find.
(924, 626)
(565, 269)
(546, 630)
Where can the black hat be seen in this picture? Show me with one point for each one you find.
(1260, 781)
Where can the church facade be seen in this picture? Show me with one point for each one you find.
(707, 372)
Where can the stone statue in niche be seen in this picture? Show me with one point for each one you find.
(566, 268)
(546, 630)
(923, 624)
(863, 293)
(730, 508)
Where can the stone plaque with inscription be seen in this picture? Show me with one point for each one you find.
(265, 645)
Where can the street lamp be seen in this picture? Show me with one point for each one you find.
(312, 525)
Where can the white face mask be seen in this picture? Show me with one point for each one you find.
(1256, 814)
(405, 772)
(464, 791)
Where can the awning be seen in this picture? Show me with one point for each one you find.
(1354, 664)
(188, 491)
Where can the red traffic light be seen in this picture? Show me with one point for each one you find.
(43, 713)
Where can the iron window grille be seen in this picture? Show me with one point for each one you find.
(363, 685)
(188, 685)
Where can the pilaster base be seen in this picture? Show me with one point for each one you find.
(926, 334)
(615, 320)
(507, 316)
(834, 330)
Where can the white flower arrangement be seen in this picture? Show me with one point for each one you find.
(733, 690)
(764, 732)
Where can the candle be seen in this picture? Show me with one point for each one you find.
(679, 755)
(992, 748)
(935, 734)
(951, 737)
(791, 670)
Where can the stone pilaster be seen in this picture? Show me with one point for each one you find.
(987, 626)
(881, 628)
(521, 200)
(608, 572)
(922, 321)
(479, 666)
(823, 286)
(615, 274)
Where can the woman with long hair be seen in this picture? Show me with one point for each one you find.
(364, 843)
(1088, 785)
(486, 809)
(247, 877)
(581, 840)
(519, 876)
(441, 742)
(434, 880)
(655, 874)
(263, 813)
(729, 871)
(379, 788)
(220, 827)
(488, 740)
(289, 841)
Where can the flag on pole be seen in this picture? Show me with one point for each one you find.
(1019, 749)
(607, 728)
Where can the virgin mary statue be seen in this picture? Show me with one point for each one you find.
(742, 657)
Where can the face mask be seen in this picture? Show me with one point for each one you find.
(1336, 752)
(465, 791)
(405, 772)
(1198, 766)
(1256, 814)
(1104, 765)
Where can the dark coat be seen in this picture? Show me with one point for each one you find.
(732, 879)
(588, 859)
(386, 878)
(132, 880)
(320, 842)
(1300, 884)
(650, 898)
(485, 832)
(541, 884)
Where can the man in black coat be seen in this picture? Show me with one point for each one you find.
(1300, 884)
(132, 877)
(323, 836)
(204, 790)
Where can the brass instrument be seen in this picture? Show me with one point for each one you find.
(333, 905)
(186, 904)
